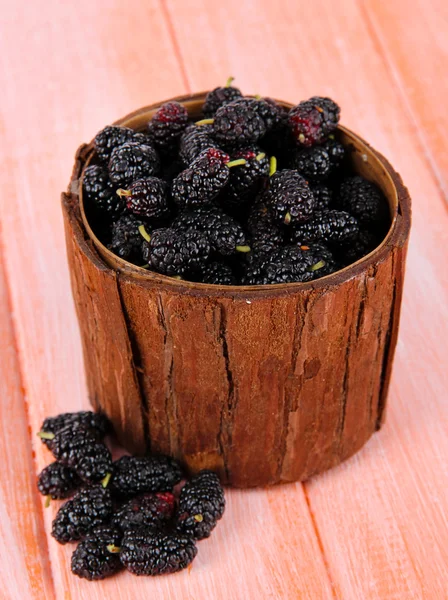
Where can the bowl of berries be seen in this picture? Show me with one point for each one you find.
(237, 267)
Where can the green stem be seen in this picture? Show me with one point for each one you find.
(144, 233)
(113, 549)
(236, 163)
(257, 97)
(317, 266)
(45, 435)
(125, 193)
(243, 249)
(198, 518)
(272, 166)
(205, 122)
(47, 501)
(260, 156)
(287, 220)
(106, 480)
(178, 277)
(229, 81)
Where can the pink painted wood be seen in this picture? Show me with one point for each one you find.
(373, 528)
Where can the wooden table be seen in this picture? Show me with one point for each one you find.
(376, 527)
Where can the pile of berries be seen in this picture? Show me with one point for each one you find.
(123, 513)
(251, 194)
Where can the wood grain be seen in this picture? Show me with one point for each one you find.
(68, 69)
(24, 565)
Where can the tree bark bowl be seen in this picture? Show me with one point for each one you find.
(262, 384)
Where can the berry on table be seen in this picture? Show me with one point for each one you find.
(201, 505)
(172, 252)
(126, 240)
(99, 192)
(133, 161)
(167, 125)
(363, 200)
(89, 508)
(147, 198)
(58, 481)
(97, 556)
(313, 120)
(80, 450)
(327, 226)
(145, 553)
(290, 198)
(95, 422)
(153, 511)
(134, 475)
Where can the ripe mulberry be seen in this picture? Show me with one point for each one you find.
(363, 200)
(134, 475)
(172, 252)
(290, 198)
(201, 505)
(220, 96)
(97, 423)
(153, 511)
(313, 120)
(327, 226)
(97, 557)
(58, 481)
(99, 192)
(147, 198)
(133, 161)
(127, 242)
(145, 553)
(167, 125)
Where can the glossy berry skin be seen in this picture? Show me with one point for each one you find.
(97, 423)
(99, 192)
(239, 123)
(313, 120)
(265, 233)
(127, 241)
(134, 475)
(194, 140)
(321, 254)
(201, 505)
(323, 196)
(167, 125)
(132, 161)
(80, 450)
(218, 97)
(358, 247)
(289, 194)
(217, 273)
(312, 163)
(223, 232)
(246, 180)
(200, 183)
(58, 481)
(89, 508)
(172, 252)
(288, 264)
(149, 198)
(146, 553)
(363, 200)
(110, 138)
(327, 226)
(92, 560)
(336, 152)
(153, 511)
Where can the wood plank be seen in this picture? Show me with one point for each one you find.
(24, 568)
(412, 37)
(87, 66)
(379, 516)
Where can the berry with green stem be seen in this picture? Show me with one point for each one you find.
(97, 556)
(167, 125)
(327, 226)
(289, 197)
(126, 240)
(313, 120)
(220, 96)
(148, 198)
(58, 481)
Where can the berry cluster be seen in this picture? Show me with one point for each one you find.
(251, 194)
(123, 513)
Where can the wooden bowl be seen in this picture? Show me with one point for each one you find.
(263, 384)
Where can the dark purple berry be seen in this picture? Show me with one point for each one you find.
(290, 198)
(147, 198)
(153, 511)
(97, 556)
(132, 161)
(167, 125)
(313, 120)
(327, 226)
(218, 97)
(58, 481)
(172, 252)
(99, 192)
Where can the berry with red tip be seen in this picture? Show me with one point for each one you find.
(167, 125)
(313, 120)
(153, 511)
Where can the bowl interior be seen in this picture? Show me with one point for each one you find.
(364, 161)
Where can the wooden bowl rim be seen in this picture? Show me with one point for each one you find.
(396, 236)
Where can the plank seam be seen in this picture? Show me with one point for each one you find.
(21, 376)
(378, 42)
(176, 47)
(319, 541)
